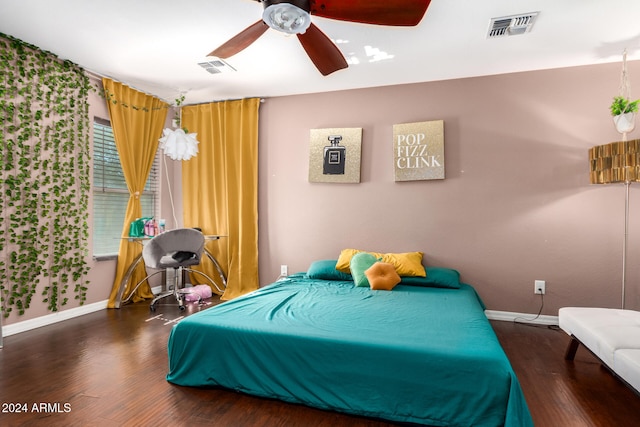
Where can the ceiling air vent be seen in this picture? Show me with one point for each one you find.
(511, 25)
(216, 66)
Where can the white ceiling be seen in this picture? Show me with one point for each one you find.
(156, 45)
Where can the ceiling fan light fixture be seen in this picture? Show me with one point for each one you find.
(286, 18)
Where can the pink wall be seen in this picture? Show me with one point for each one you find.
(516, 204)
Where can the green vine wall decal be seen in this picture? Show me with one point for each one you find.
(44, 177)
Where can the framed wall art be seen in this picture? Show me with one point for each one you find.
(419, 151)
(334, 155)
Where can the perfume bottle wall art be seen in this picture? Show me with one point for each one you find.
(334, 155)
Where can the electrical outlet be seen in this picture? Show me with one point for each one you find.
(539, 287)
(284, 271)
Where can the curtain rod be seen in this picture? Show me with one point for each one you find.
(96, 75)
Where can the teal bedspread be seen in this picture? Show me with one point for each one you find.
(414, 354)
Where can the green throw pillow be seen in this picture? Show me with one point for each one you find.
(360, 262)
(326, 270)
(437, 277)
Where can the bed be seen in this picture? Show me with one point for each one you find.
(422, 354)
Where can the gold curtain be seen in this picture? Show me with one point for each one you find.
(137, 120)
(220, 188)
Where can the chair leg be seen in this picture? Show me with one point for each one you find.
(164, 295)
(178, 287)
(174, 291)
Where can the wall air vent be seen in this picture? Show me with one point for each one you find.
(511, 25)
(216, 66)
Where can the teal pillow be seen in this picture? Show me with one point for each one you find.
(437, 277)
(359, 263)
(326, 270)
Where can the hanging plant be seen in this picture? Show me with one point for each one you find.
(624, 114)
(622, 109)
(621, 105)
(45, 183)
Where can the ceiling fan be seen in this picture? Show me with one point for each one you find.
(293, 17)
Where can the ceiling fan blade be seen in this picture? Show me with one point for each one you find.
(323, 53)
(241, 41)
(380, 12)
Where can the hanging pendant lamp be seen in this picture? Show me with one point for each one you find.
(178, 143)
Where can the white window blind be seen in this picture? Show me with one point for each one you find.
(110, 194)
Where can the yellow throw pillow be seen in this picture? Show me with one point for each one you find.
(344, 260)
(408, 264)
(382, 276)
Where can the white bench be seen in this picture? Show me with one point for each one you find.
(612, 335)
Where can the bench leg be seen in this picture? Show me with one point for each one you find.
(571, 348)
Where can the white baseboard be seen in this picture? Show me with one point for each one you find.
(509, 316)
(50, 319)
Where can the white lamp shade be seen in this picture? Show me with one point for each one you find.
(178, 144)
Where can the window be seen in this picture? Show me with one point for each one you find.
(110, 194)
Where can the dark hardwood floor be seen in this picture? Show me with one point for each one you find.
(108, 368)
